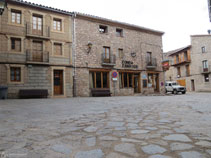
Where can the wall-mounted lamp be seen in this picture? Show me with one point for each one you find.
(3, 5)
(89, 45)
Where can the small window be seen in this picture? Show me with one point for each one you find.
(205, 64)
(57, 49)
(203, 49)
(121, 53)
(119, 32)
(178, 72)
(15, 74)
(187, 70)
(16, 16)
(16, 44)
(103, 29)
(57, 24)
(206, 78)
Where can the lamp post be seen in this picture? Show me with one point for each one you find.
(3, 4)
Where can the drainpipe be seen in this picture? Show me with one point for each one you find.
(74, 54)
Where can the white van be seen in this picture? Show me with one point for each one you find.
(174, 87)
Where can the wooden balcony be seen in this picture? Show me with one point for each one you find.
(186, 61)
(37, 31)
(37, 57)
(111, 61)
(151, 63)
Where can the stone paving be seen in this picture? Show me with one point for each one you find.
(116, 127)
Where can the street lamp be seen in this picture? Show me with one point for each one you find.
(3, 4)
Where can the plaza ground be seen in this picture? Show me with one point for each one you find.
(110, 127)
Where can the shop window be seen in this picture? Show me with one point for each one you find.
(57, 24)
(119, 32)
(16, 44)
(144, 83)
(16, 16)
(103, 29)
(150, 80)
(58, 49)
(15, 74)
(99, 79)
(126, 80)
(206, 78)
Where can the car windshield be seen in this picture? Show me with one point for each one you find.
(174, 83)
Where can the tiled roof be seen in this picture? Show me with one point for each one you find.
(85, 15)
(173, 52)
(42, 7)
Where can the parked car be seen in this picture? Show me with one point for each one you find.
(174, 87)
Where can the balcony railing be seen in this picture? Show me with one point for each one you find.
(151, 63)
(37, 56)
(41, 31)
(178, 62)
(111, 61)
(205, 70)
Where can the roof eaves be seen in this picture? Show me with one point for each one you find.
(122, 23)
(173, 52)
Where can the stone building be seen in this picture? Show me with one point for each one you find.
(36, 49)
(180, 61)
(123, 58)
(191, 65)
(73, 54)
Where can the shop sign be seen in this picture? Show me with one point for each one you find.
(128, 64)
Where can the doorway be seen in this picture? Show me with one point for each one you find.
(58, 82)
(156, 83)
(137, 83)
(37, 53)
(192, 85)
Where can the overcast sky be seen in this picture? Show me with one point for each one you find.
(177, 18)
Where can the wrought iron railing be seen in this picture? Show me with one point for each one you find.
(151, 62)
(37, 56)
(110, 60)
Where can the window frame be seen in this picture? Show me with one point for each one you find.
(14, 69)
(206, 78)
(103, 29)
(57, 21)
(15, 39)
(55, 44)
(178, 72)
(121, 52)
(16, 12)
(203, 49)
(126, 83)
(119, 32)
(94, 79)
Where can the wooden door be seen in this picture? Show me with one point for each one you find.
(37, 51)
(137, 83)
(58, 82)
(37, 27)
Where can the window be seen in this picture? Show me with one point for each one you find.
(15, 74)
(99, 79)
(149, 58)
(177, 58)
(120, 52)
(203, 49)
(187, 70)
(103, 29)
(106, 54)
(57, 24)
(185, 55)
(37, 22)
(206, 78)
(57, 49)
(178, 72)
(16, 44)
(126, 80)
(205, 65)
(16, 16)
(119, 32)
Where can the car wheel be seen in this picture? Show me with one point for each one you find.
(175, 91)
(166, 91)
(183, 92)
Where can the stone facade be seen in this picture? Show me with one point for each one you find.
(132, 40)
(198, 78)
(32, 27)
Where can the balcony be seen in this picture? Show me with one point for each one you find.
(37, 57)
(111, 61)
(185, 61)
(205, 70)
(38, 31)
(151, 63)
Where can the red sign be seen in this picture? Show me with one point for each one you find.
(114, 74)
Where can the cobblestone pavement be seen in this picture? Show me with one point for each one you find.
(113, 127)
